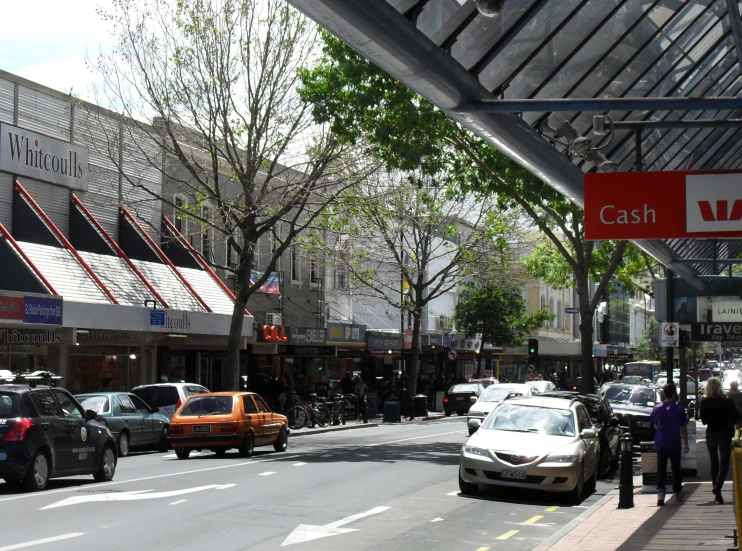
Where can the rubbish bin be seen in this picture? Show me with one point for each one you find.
(421, 405)
(392, 412)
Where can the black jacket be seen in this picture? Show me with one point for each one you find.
(719, 414)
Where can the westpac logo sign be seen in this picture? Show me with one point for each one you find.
(25, 153)
(713, 202)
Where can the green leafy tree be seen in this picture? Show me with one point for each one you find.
(364, 104)
(497, 312)
(649, 345)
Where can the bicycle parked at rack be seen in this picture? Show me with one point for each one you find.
(340, 406)
(314, 412)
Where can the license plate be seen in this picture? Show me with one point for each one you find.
(201, 428)
(513, 473)
(459, 398)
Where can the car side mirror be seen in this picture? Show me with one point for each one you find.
(588, 433)
(474, 423)
(473, 399)
(90, 415)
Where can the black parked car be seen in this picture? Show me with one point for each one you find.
(634, 404)
(458, 398)
(606, 423)
(45, 433)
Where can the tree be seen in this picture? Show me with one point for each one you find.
(649, 345)
(408, 240)
(363, 103)
(497, 312)
(219, 78)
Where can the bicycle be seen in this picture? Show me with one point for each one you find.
(313, 412)
(340, 405)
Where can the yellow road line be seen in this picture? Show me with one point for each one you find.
(552, 509)
(533, 520)
(483, 549)
(508, 535)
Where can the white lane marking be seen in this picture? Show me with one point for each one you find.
(177, 502)
(580, 507)
(414, 438)
(225, 486)
(43, 541)
(136, 495)
(453, 493)
(308, 532)
(173, 456)
(299, 464)
(144, 479)
(437, 519)
(267, 473)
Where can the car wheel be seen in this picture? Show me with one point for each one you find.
(107, 467)
(163, 445)
(282, 442)
(592, 483)
(182, 453)
(448, 413)
(123, 444)
(37, 477)
(575, 496)
(467, 488)
(605, 461)
(247, 447)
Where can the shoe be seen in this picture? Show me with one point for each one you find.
(719, 499)
(680, 496)
(660, 499)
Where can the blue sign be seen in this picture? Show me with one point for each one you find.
(157, 318)
(44, 310)
(573, 310)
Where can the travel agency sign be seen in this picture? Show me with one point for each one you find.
(663, 205)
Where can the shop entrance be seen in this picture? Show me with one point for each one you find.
(212, 372)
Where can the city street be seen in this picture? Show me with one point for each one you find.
(379, 487)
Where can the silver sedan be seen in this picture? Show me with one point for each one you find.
(539, 443)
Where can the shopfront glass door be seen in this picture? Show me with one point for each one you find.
(212, 373)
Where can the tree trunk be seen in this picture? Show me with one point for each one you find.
(412, 365)
(232, 369)
(587, 370)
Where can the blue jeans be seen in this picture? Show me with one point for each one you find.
(719, 445)
(674, 457)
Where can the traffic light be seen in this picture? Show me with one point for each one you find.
(532, 351)
(319, 369)
(708, 355)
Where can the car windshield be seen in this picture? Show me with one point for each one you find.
(158, 396)
(636, 396)
(208, 405)
(9, 405)
(99, 404)
(469, 387)
(538, 420)
(498, 394)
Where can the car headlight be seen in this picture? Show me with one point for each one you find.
(476, 451)
(476, 413)
(560, 459)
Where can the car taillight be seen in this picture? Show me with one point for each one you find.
(18, 432)
(176, 429)
(229, 427)
(101, 420)
(445, 399)
(180, 403)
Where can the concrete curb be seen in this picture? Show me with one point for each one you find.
(422, 420)
(574, 523)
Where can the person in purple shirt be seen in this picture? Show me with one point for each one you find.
(670, 422)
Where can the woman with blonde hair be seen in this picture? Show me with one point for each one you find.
(719, 415)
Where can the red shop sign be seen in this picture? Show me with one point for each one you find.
(663, 205)
(11, 308)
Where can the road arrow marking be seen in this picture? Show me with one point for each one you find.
(437, 519)
(131, 496)
(308, 532)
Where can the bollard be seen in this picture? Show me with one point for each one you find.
(626, 485)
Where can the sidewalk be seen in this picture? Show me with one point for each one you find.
(698, 523)
(432, 416)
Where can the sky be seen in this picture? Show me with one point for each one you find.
(47, 41)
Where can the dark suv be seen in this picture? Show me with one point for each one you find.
(45, 433)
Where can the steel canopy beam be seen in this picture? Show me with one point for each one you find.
(600, 104)
(381, 34)
(704, 123)
(734, 18)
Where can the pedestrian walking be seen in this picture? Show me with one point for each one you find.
(360, 391)
(670, 422)
(719, 414)
(735, 396)
(322, 389)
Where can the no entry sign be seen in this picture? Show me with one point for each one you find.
(663, 205)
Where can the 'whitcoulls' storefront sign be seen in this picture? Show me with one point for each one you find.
(40, 157)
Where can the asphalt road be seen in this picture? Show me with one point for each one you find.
(383, 487)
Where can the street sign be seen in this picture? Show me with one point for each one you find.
(716, 332)
(573, 310)
(663, 205)
(452, 354)
(157, 318)
(669, 334)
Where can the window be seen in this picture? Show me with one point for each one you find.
(179, 218)
(9, 405)
(206, 230)
(140, 406)
(560, 315)
(44, 402)
(158, 396)
(208, 405)
(341, 279)
(192, 390)
(583, 419)
(543, 309)
(69, 407)
(295, 263)
(249, 405)
(99, 404)
(552, 323)
(262, 408)
(127, 408)
(312, 271)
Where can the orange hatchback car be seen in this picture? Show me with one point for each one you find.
(219, 421)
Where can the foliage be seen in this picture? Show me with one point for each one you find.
(649, 345)
(498, 313)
